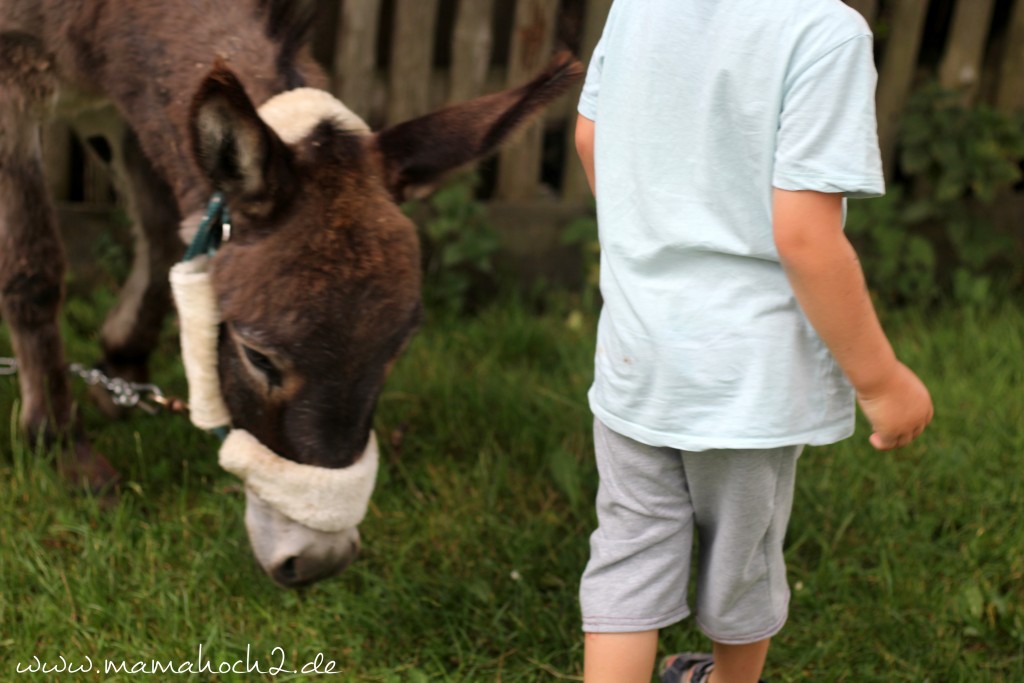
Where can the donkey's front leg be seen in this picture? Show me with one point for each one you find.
(31, 275)
(31, 257)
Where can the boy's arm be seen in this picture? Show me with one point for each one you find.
(825, 274)
(585, 147)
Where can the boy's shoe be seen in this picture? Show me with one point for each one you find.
(674, 667)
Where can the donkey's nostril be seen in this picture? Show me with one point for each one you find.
(299, 570)
(286, 573)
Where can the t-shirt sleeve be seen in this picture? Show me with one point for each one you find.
(588, 98)
(828, 135)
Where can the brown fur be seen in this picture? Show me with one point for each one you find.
(319, 288)
(31, 257)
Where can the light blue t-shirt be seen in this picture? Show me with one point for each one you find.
(701, 107)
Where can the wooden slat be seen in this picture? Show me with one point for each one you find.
(324, 38)
(97, 187)
(897, 74)
(355, 54)
(412, 57)
(1010, 97)
(472, 43)
(869, 8)
(57, 158)
(531, 48)
(574, 181)
(965, 49)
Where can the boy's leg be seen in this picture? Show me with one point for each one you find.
(742, 502)
(619, 657)
(739, 663)
(635, 582)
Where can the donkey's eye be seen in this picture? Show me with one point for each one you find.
(263, 364)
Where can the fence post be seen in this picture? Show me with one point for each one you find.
(1010, 97)
(868, 8)
(897, 75)
(532, 37)
(355, 54)
(57, 158)
(965, 49)
(472, 42)
(574, 181)
(97, 187)
(412, 59)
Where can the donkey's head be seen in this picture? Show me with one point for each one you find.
(318, 288)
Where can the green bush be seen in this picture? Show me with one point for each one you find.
(933, 236)
(458, 247)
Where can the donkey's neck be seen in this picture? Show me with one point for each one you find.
(149, 57)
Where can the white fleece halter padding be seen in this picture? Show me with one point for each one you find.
(317, 497)
(199, 317)
(294, 114)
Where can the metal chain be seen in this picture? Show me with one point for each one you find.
(146, 396)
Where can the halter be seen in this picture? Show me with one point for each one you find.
(320, 498)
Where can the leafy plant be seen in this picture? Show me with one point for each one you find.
(962, 151)
(900, 264)
(458, 246)
(936, 236)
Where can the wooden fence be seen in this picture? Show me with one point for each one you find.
(391, 59)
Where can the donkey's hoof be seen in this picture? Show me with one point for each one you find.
(84, 468)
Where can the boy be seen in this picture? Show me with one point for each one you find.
(721, 138)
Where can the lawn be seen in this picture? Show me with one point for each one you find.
(904, 567)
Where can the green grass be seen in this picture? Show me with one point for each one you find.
(905, 567)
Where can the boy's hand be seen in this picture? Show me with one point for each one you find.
(898, 409)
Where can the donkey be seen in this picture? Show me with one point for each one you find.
(318, 288)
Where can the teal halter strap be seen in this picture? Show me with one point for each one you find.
(207, 239)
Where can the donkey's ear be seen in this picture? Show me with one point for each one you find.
(418, 153)
(240, 155)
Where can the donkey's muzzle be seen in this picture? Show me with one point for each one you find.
(301, 519)
(291, 553)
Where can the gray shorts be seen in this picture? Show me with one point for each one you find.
(649, 504)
